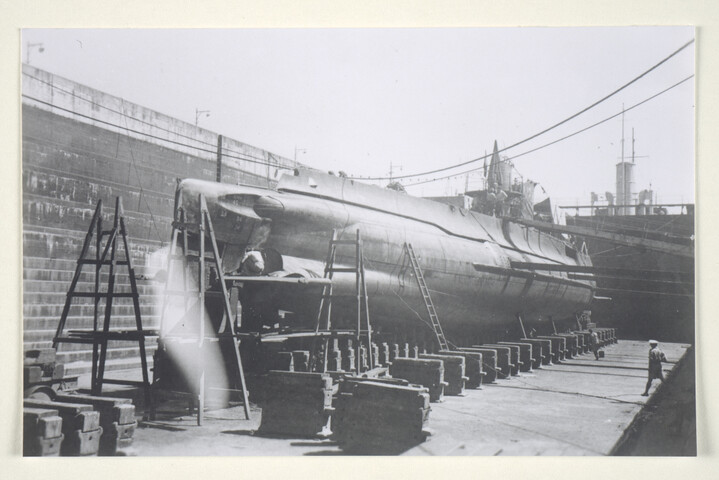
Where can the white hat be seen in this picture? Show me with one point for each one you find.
(653, 342)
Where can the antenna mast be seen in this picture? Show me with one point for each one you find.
(622, 133)
(391, 170)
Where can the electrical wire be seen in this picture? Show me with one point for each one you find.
(125, 115)
(571, 117)
(422, 319)
(245, 158)
(607, 119)
(139, 180)
(413, 310)
(105, 122)
(261, 161)
(77, 149)
(99, 105)
(558, 140)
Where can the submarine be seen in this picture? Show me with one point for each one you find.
(465, 255)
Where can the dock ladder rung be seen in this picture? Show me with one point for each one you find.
(107, 243)
(324, 321)
(204, 261)
(434, 319)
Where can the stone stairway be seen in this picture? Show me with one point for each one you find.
(46, 280)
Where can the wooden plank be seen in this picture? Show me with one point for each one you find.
(42, 423)
(84, 422)
(415, 362)
(118, 410)
(119, 430)
(49, 427)
(79, 443)
(399, 395)
(116, 437)
(75, 416)
(92, 399)
(62, 408)
(33, 413)
(42, 447)
(58, 372)
(32, 374)
(319, 380)
(39, 356)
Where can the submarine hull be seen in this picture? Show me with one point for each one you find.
(464, 255)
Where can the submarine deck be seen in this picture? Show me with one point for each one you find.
(581, 406)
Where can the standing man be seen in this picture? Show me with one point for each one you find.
(656, 357)
(594, 343)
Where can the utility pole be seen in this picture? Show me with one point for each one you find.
(391, 170)
(300, 150)
(219, 159)
(200, 113)
(622, 133)
(28, 48)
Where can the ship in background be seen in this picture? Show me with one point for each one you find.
(642, 251)
(645, 292)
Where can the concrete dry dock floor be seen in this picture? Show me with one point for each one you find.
(224, 432)
(578, 407)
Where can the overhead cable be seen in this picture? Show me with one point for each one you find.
(145, 122)
(246, 157)
(635, 79)
(558, 140)
(99, 105)
(139, 182)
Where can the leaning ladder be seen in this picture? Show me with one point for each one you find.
(106, 254)
(324, 315)
(206, 231)
(436, 326)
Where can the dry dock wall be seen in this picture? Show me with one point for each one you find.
(80, 145)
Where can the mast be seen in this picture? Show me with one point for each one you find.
(622, 133)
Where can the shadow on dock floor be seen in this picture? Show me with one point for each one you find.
(667, 424)
(581, 406)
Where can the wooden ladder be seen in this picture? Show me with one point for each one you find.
(106, 254)
(324, 316)
(206, 232)
(436, 326)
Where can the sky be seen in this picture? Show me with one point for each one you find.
(413, 100)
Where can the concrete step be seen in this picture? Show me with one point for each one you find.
(55, 310)
(150, 342)
(76, 322)
(66, 246)
(112, 354)
(141, 231)
(46, 335)
(138, 261)
(66, 276)
(82, 367)
(32, 287)
(57, 212)
(51, 298)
